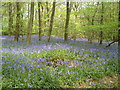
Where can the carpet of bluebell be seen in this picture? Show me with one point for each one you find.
(58, 64)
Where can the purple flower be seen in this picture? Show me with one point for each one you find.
(77, 78)
(9, 66)
(66, 61)
(105, 62)
(38, 65)
(57, 44)
(29, 85)
(76, 72)
(18, 78)
(41, 69)
(70, 66)
(41, 60)
(23, 68)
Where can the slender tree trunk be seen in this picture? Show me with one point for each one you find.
(47, 11)
(39, 16)
(119, 39)
(17, 22)
(76, 4)
(67, 20)
(51, 21)
(92, 31)
(36, 15)
(10, 20)
(21, 22)
(111, 12)
(28, 10)
(30, 24)
(119, 27)
(101, 32)
(42, 15)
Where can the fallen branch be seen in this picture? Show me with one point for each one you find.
(112, 42)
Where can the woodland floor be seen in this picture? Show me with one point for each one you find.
(58, 64)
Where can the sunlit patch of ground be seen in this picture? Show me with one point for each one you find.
(110, 82)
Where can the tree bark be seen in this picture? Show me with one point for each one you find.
(67, 20)
(30, 24)
(10, 20)
(113, 42)
(39, 15)
(17, 22)
(47, 11)
(21, 22)
(119, 27)
(28, 11)
(119, 37)
(51, 21)
(101, 32)
(75, 9)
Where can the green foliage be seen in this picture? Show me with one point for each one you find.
(41, 75)
(79, 27)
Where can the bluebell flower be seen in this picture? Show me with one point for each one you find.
(76, 72)
(41, 69)
(9, 66)
(41, 60)
(29, 85)
(77, 78)
(66, 62)
(23, 68)
(70, 66)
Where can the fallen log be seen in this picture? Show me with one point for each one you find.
(112, 42)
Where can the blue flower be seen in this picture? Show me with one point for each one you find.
(41, 69)
(41, 60)
(70, 66)
(29, 85)
(9, 66)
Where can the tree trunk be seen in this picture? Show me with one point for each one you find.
(10, 20)
(51, 21)
(119, 27)
(30, 24)
(28, 11)
(67, 20)
(21, 22)
(119, 36)
(47, 11)
(101, 37)
(75, 9)
(36, 15)
(39, 15)
(101, 32)
(91, 33)
(17, 22)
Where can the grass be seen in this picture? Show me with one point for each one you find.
(58, 66)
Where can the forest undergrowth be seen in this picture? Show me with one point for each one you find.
(58, 64)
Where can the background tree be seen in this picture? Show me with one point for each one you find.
(10, 20)
(39, 15)
(101, 32)
(47, 8)
(67, 20)
(30, 24)
(119, 26)
(51, 21)
(85, 20)
(17, 22)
